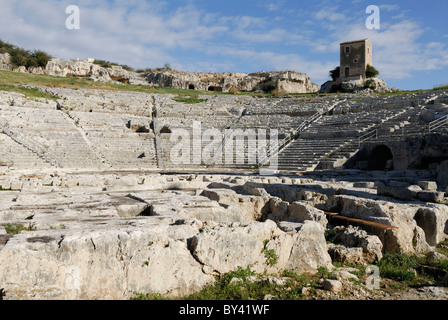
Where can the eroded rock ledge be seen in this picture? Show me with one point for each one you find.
(110, 235)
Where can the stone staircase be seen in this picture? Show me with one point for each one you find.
(24, 151)
(406, 123)
(332, 139)
(110, 137)
(306, 154)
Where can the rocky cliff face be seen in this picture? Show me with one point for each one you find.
(78, 69)
(84, 69)
(375, 84)
(285, 81)
(5, 61)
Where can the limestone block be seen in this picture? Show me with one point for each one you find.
(393, 214)
(221, 195)
(397, 193)
(369, 185)
(428, 185)
(16, 185)
(398, 184)
(414, 190)
(108, 263)
(346, 255)
(433, 220)
(279, 209)
(431, 196)
(354, 237)
(6, 185)
(302, 211)
(332, 285)
(226, 248)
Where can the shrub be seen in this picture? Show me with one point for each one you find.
(233, 90)
(127, 68)
(279, 93)
(271, 256)
(17, 228)
(268, 86)
(371, 72)
(335, 73)
(104, 63)
(397, 266)
(41, 58)
(21, 57)
(370, 84)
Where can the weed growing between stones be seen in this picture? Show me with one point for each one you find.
(399, 272)
(17, 228)
(192, 99)
(271, 256)
(245, 284)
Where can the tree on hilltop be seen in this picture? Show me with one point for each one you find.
(371, 72)
(335, 74)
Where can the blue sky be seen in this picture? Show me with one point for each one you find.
(410, 48)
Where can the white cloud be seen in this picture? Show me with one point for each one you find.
(399, 49)
(389, 7)
(151, 33)
(330, 14)
(316, 70)
(137, 33)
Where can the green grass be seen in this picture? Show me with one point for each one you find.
(397, 266)
(188, 99)
(240, 285)
(12, 81)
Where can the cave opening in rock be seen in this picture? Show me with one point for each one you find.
(214, 88)
(426, 220)
(381, 158)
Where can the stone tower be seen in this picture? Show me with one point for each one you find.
(355, 56)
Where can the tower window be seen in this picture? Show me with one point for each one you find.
(347, 49)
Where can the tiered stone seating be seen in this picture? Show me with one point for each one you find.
(332, 135)
(219, 124)
(135, 103)
(16, 156)
(111, 137)
(53, 134)
(305, 154)
(285, 116)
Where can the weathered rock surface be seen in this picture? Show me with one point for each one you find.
(5, 61)
(407, 234)
(225, 248)
(84, 69)
(303, 211)
(288, 81)
(332, 285)
(104, 215)
(356, 246)
(375, 84)
(103, 262)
